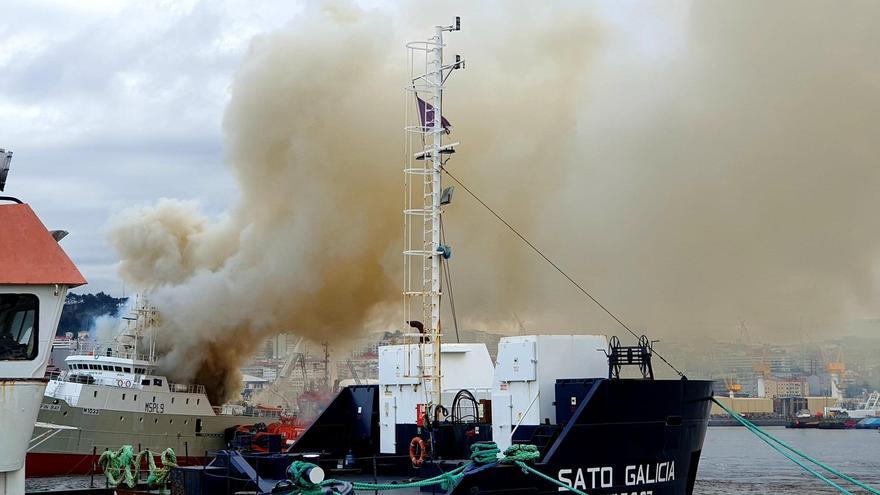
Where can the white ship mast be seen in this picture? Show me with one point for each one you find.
(424, 200)
(145, 318)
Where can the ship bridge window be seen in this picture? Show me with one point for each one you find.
(127, 369)
(19, 326)
(157, 382)
(145, 382)
(117, 368)
(106, 368)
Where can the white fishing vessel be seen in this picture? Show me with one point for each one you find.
(115, 395)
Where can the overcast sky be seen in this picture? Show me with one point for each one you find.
(109, 104)
(113, 104)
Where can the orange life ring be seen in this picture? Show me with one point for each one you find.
(417, 460)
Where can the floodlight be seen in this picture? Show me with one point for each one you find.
(5, 160)
(446, 195)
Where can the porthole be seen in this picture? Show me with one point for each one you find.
(121, 418)
(95, 393)
(170, 421)
(55, 401)
(186, 421)
(123, 396)
(141, 420)
(64, 413)
(156, 421)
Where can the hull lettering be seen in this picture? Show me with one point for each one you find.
(633, 476)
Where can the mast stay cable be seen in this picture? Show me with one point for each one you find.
(448, 275)
(556, 267)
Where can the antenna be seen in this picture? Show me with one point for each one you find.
(425, 155)
(5, 161)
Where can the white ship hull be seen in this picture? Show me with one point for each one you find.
(92, 431)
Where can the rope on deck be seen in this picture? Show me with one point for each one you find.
(122, 466)
(483, 455)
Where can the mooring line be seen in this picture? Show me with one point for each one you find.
(770, 439)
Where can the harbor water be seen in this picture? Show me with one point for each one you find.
(734, 462)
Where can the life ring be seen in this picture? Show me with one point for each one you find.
(417, 460)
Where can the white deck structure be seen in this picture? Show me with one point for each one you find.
(34, 277)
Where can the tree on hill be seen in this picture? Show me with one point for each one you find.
(80, 310)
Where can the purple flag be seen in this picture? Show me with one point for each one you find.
(426, 115)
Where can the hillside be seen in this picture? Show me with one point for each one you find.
(80, 310)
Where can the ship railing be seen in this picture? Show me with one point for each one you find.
(54, 374)
(189, 388)
(247, 411)
(99, 350)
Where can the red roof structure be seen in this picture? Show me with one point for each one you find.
(29, 255)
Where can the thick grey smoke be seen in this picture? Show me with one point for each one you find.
(730, 174)
(733, 177)
(315, 142)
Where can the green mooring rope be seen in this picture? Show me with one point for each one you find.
(771, 440)
(482, 454)
(122, 466)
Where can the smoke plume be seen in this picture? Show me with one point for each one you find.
(722, 170)
(314, 141)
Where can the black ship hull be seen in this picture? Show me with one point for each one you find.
(627, 437)
(621, 437)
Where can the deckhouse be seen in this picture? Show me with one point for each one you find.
(35, 275)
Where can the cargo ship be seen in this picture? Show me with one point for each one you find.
(589, 408)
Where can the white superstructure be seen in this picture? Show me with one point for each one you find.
(122, 376)
(401, 393)
(119, 384)
(35, 275)
(526, 371)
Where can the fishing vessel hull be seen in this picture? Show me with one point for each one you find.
(89, 431)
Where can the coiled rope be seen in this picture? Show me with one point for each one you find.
(484, 455)
(122, 466)
(782, 447)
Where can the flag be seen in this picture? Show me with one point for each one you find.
(426, 116)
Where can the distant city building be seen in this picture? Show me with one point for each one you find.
(779, 389)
